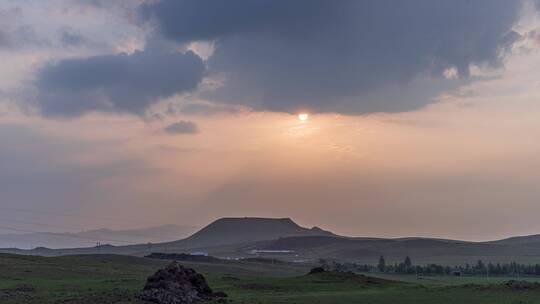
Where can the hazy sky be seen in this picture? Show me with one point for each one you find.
(424, 116)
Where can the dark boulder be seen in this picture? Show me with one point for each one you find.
(317, 270)
(176, 284)
(182, 257)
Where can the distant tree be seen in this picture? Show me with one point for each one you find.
(404, 267)
(382, 264)
(498, 269)
(480, 267)
(339, 267)
(408, 262)
(491, 269)
(324, 264)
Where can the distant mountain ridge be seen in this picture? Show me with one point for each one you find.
(89, 238)
(251, 237)
(222, 232)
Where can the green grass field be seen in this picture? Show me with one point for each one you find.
(447, 280)
(116, 279)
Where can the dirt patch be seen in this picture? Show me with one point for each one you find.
(182, 257)
(113, 297)
(332, 276)
(510, 285)
(522, 285)
(264, 261)
(228, 277)
(475, 286)
(260, 286)
(22, 292)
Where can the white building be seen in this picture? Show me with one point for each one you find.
(263, 251)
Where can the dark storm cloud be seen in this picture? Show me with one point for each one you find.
(116, 83)
(345, 56)
(182, 127)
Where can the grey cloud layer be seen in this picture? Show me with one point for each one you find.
(207, 109)
(70, 38)
(345, 56)
(342, 56)
(116, 83)
(182, 127)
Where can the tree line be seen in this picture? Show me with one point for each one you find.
(407, 267)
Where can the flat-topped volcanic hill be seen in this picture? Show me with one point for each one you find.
(227, 231)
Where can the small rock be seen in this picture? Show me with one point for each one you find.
(316, 270)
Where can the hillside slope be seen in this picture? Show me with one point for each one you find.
(530, 240)
(224, 234)
(421, 250)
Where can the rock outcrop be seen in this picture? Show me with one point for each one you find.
(182, 257)
(316, 270)
(176, 284)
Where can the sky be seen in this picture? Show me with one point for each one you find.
(424, 116)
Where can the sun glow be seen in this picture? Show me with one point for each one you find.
(303, 116)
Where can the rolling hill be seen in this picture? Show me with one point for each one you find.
(421, 250)
(521, 240)
(222, 235)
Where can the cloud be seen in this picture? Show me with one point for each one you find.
(68, 37)
(197, 108)
(116, 83)
(15, 34)
(182, 127)
(4, 40)
(19, 37)
(340, 56)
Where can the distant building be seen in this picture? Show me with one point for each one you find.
(258, 251)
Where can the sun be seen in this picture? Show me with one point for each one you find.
(303, 116)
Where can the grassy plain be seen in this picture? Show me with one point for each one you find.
(116, 279)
